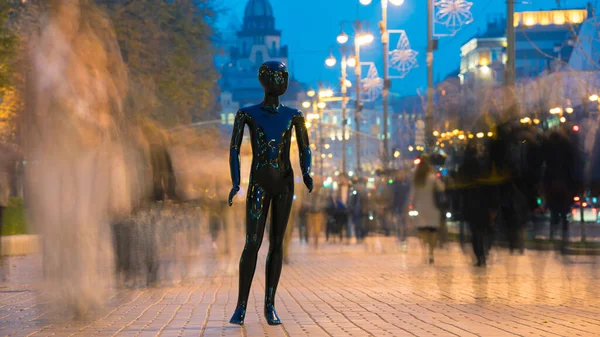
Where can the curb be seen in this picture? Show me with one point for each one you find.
(14, 245)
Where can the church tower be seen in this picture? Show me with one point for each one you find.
(257, 41)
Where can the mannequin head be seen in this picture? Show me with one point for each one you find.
(273, 77)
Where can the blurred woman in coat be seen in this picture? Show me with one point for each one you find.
(423, 200)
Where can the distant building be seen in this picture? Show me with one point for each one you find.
(544, 42)
(371, 143)
(257, 42)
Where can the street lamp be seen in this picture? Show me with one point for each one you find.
(360, 38)
(345, 84)
(330, 61)
(343, 37)
(321, 105)
(351, 62)
(306, 104)
(325, 93)
(311, 93)
(386, 70)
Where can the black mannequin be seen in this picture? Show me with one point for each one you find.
(271, 181)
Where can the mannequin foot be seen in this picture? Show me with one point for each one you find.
(238, 315)
(271, 315)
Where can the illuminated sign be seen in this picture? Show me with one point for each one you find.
(546, 18)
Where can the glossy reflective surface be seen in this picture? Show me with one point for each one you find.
(271, 179)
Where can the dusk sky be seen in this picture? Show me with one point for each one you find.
(310, 28)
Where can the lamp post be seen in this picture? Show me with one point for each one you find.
(429, 141)
(360, 38)
(386, 72)
(344, 84)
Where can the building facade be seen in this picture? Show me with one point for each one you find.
(256, 42)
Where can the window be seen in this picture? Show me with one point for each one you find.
(484, 57)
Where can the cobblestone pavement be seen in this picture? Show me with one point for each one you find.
(339, 290)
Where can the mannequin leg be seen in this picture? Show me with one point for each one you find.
(257, 207)
(282, 205)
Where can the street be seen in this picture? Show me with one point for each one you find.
(376, 289)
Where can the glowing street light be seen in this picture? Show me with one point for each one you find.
(311, 93)
(364, 39)
(436, 134)
(480, 135)
(396, 2)
(411, 149)
(569, 110)
(365, 2)
(396, 154)
(556, 111)
(326, 93)
(321, 105)
(306, 104)
(330, 61)
(351, 62)
(563, 119)
(594, 98)
(342, 38)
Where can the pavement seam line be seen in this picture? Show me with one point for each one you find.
(203, 329)
(187, 300)
(143, 312)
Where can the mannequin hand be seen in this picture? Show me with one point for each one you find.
(308, 181)
(234, 191)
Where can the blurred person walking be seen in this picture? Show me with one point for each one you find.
(385, 203)
(476, 205)
(423, 200)
(293, 222)
(559, 181)
(337, 217)
(361, 207)
(401, 196)
(316, 208)
(344, 191)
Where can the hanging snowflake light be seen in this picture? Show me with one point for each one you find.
(372, 85)
(403, 58)
(453, 14)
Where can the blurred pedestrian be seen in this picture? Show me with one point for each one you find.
(384, 202)
(559, 180)
(361, 208)
(424, 192)
(337, 217)
(294, 219)
(317, 204)
(475, 203)
(401, 197)
(344, 199)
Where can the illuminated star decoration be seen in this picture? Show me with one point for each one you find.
(403, 58)
(453, 14)
(372, 85)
